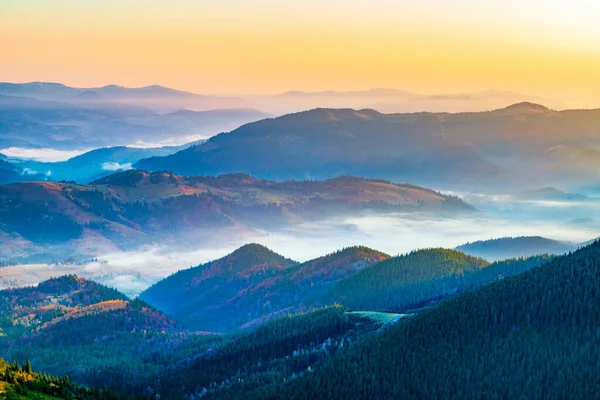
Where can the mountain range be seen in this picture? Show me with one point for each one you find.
(130, 208)
(71, 122)
(514, 147)
(98, 337)
(253, 284)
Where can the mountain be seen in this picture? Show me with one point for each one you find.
(76, 123)
(29, 307)
(287, 348)
(518, 145)
(280, 350)
(210, 288)
(75, 327)
(93, 164)
(156, 97)
(135, 207)
(99, 338)
(252, 285)
(239, 291)
(538, 327)
(411, 280)
(509, 247)
(550, 194)
(389, 100)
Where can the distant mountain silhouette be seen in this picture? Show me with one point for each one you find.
(518, 145)
(523, 246)
(83, 119)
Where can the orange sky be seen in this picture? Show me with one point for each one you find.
(549, 48)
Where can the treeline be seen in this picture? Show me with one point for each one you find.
(420, 277)
(531, 336)
(20, 382)
(278, 351)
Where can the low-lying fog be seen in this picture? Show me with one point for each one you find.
(132, 272)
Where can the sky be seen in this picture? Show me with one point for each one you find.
(538, 47)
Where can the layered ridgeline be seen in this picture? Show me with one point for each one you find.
(135, 206)
(250, 286)
(510, 247)
(532, 336)
(40, 115)
(94, 334)
(525, 143)
(253, 284)
(71, 326)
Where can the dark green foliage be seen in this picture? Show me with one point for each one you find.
(406, 281)
(20, 382)
(530, 336)
(274, 352)
(203, 287)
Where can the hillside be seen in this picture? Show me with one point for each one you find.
(520, 145)
(209, 289)
(71, 326)
(242, 291)
(277, 351)
(21, 382)
(27, 308)
(509, 247)
(539, 328)
(251, 286)
(134, 207)
(406, 281)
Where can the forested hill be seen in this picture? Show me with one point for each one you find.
(26, 308)
(533, 335)
(21, 382)
(254, 284)
(200, 296)
(404, 281)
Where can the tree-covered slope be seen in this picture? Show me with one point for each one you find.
(19, 382)
(26, 308)
(94, 334)
(405, 281)
(197, 294)
(278, 351)
(253, 285)
(533, 335)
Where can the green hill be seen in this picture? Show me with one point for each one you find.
(405, 281)
(252, 285)
(530, 336)
(19, 382)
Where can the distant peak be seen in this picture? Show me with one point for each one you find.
(525, 107)
(252, 247)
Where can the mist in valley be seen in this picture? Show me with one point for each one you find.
(501, 215)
